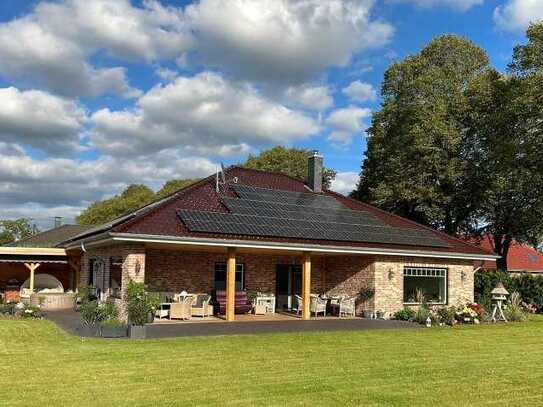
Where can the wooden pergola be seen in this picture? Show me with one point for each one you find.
(33, 258)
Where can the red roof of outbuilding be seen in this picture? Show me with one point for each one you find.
(521, 257)
(162, 219)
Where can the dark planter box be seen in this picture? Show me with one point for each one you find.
(113, 331)
(137, 331)
(90, 330)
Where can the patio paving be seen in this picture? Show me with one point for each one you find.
(70, 322)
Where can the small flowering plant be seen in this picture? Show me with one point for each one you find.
(529, 308)
(467, 315)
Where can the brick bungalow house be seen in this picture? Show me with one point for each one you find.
(246, 229)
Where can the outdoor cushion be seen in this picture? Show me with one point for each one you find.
(201, 299)
(242, 305)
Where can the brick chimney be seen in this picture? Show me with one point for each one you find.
(314, 172)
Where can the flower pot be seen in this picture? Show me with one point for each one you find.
(367, 313)
(90, 330)
(113, 331)
(137, 331)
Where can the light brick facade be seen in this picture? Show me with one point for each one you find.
(175, 271)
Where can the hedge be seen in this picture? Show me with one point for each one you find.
(529, 286)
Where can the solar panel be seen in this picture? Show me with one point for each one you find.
(285, 211)
(287, 197)
(240, 224)
(276, 213)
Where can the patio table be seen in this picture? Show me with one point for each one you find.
(164, 310)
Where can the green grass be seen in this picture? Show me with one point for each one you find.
(472, 365)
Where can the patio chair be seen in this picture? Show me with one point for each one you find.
(299, 304)
(347, 307)
(182, 309)
(317, 305)
(201, 307)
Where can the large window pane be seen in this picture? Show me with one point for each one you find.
(220, 276)
(429, 283)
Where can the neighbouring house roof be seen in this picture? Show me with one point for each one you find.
(51, 238)
(521, 257)
(275, 209)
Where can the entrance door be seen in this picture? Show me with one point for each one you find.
(288, 283)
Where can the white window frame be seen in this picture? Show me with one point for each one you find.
(430, 272)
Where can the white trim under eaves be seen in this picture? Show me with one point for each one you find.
(198, 241)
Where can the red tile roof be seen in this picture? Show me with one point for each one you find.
(161, 218)
(521, 257)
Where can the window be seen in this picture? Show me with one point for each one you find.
(427, 283)
(93, 269)
(115, 277)
(220, 276)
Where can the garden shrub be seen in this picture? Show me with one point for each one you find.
(529, 287)
(514, 311)
(139, 303)
(422, 314)
(447, 315)
(406, 314)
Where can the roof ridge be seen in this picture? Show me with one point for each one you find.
(241, 167)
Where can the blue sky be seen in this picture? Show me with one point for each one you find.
(97, 94)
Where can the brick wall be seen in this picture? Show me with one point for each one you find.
(176, 271)
(195, 272)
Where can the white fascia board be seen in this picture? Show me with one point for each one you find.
(295, 247)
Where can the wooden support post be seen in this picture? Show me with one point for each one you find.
(231, 285)
(306, 286)
(32, 267)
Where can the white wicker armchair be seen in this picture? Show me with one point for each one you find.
(347, 307)
(299, 304)
(317, 305)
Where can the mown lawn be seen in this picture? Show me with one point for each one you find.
(482, 365)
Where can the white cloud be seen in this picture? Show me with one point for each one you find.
(461, 5)
(40, 120)
(203, 111)
(76, 183)
(360, 91)
(51, 46)
(310, 97)
(284, 40)
(166, 74)
(345, 123)
(345, 182)
(516, 15)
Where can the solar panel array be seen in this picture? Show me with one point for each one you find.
(272, 213)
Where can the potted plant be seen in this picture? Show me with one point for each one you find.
(91, 316)
(366, 294)
(113, 328)
(139, 305)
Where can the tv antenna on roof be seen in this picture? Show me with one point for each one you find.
(220, 178)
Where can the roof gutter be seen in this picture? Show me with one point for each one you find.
(295, 247)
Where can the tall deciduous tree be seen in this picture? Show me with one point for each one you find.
(290, 161)
(13, 230)
(414, 164)
(505, 140)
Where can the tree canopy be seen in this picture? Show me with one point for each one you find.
(13, 230)
(414, 162)
(457, 145)
(132, 198)
(290, 161)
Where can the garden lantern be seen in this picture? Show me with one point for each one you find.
(499, 295)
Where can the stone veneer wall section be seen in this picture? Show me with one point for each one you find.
(389, 280)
